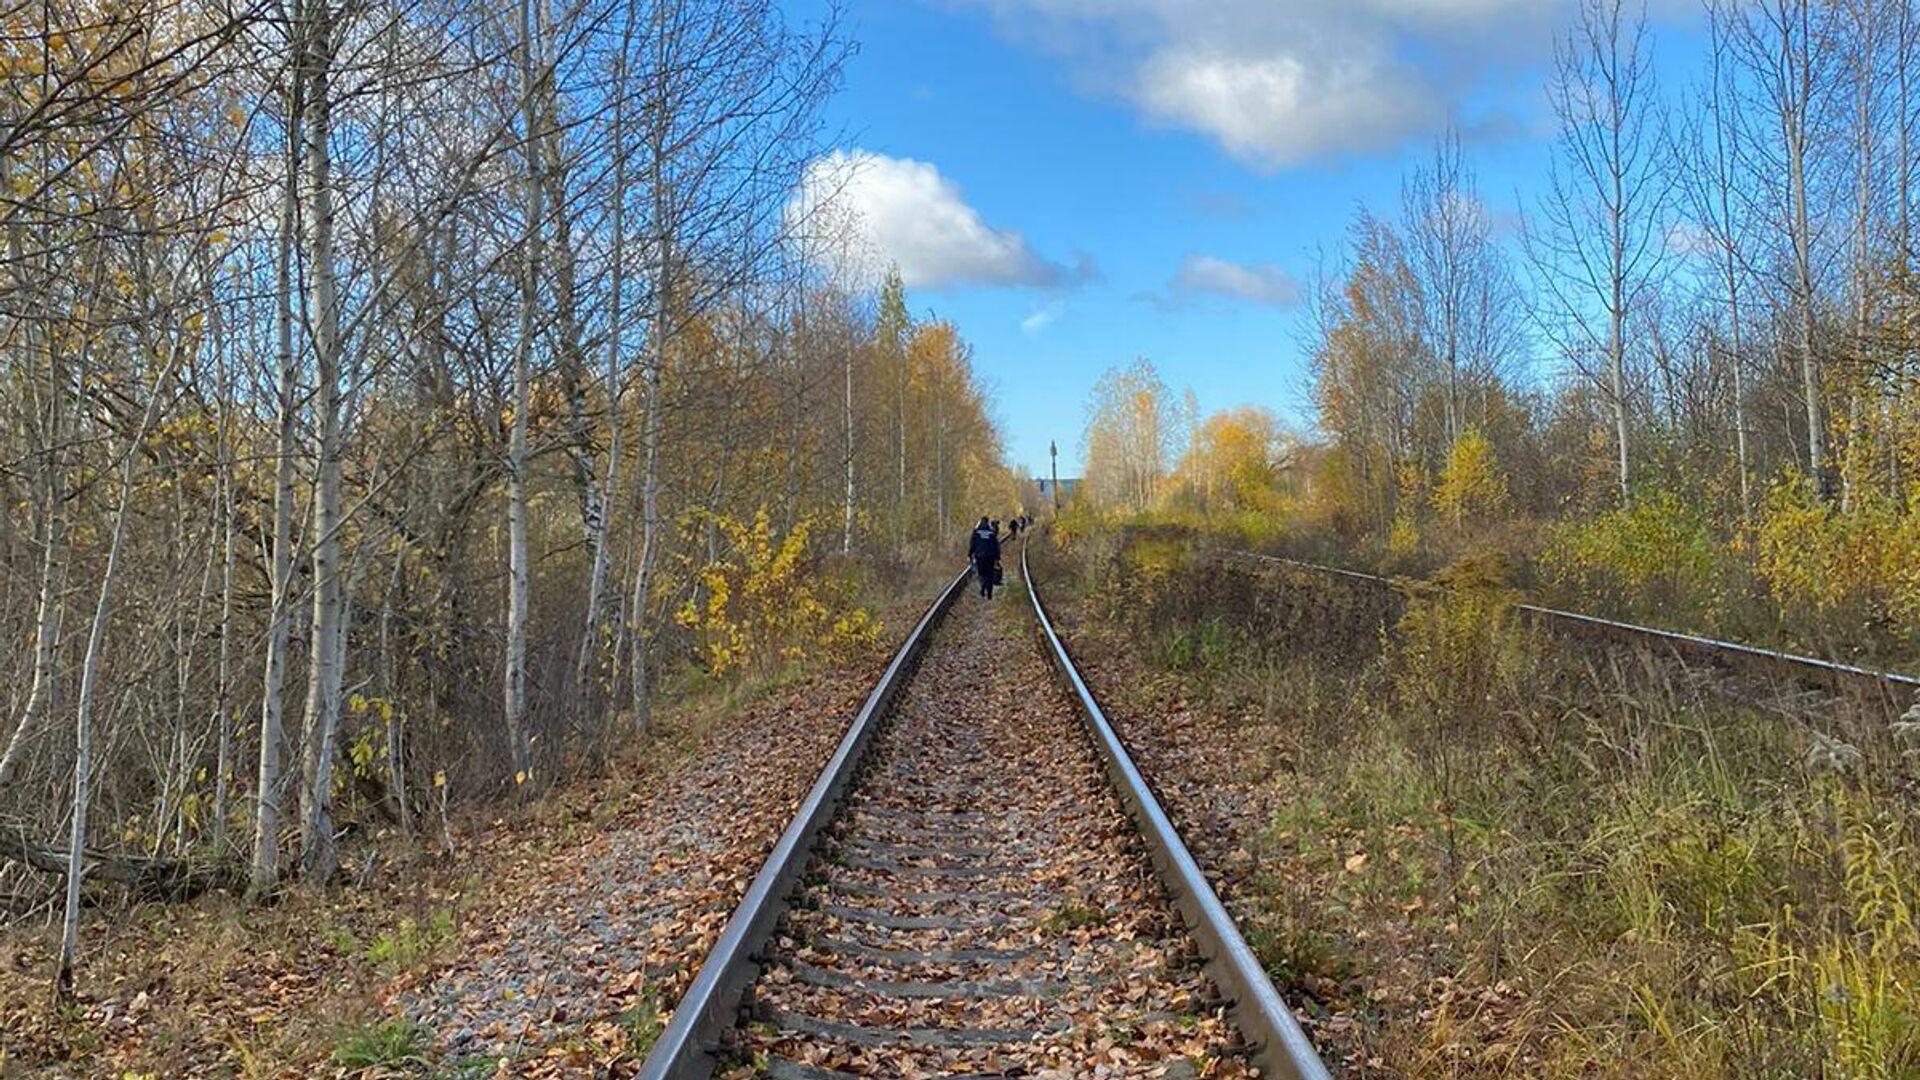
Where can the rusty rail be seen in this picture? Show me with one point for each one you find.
(1826, 673)
(1281, 1048)
(710, 1007)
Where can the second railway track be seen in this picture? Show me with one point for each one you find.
(971, 891)
(1893, 690)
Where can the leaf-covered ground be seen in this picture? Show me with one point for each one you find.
(555, 937)
(984, 907)
(1213, 771)
(540, 946)
(577, 951)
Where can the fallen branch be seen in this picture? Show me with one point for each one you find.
(166, 879)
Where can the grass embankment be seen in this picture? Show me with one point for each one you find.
(1481, 852)
(1795, 574)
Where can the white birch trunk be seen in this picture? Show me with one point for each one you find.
(223, 692)
(1795, 120)
(53, 567)
(599, 555)
(846, 521)
(326, 653)
(515, 688)
(47, 618)
(649, 528)
(658, 138)
(1724, 132)
(390, 692)
(270, 784)
(1617, 283)
(83, 709)
(83, 728)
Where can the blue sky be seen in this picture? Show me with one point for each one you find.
(1079, 182)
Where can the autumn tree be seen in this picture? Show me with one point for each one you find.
(1465, 292)
(1236, 461)
(1372, 369)
(423, 356)
(1132, 431)
(1601, 237)
(1471, 485)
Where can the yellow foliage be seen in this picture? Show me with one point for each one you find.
(1403, 537)
(1334, 494)
(1412, 481)
(1234, 462)
(1458, 645)
(766, 600)
(1861, 564)
(1471, 485)
(1657, 549)
(1855, 981)
(1131, 418)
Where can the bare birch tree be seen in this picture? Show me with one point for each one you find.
(1601, 239)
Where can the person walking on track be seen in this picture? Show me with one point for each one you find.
(984, 549)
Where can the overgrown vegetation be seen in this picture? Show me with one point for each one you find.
(404, 397)
(387, 1045)
(766, 603)
(1508, 856)
(222, 987)
(1716, 434)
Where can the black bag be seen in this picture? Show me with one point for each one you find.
(999, 575)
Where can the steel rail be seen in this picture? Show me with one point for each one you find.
(1280, 1047)
(1829, 672)
(686, 1048)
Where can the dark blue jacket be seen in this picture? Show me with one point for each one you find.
(985, 545)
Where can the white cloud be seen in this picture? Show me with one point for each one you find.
(1042, 317)
(1280, 82)
(862, 211)
(1208, 275)
(1274, 111)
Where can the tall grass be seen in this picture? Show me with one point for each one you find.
(1520, 857)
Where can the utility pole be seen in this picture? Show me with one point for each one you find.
(1053, 451)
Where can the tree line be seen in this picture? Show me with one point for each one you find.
(1680, 383)
(384, 382)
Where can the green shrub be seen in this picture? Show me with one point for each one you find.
(410, 942)
(642, 1026)
(388, 1044)
(1457, 646)
(1205, 647)
(1656, 556)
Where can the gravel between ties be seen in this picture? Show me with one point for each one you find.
(983, 906)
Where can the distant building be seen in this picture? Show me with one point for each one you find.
(1068, 485)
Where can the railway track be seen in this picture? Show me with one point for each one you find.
(981, 885)
(1893, 691)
